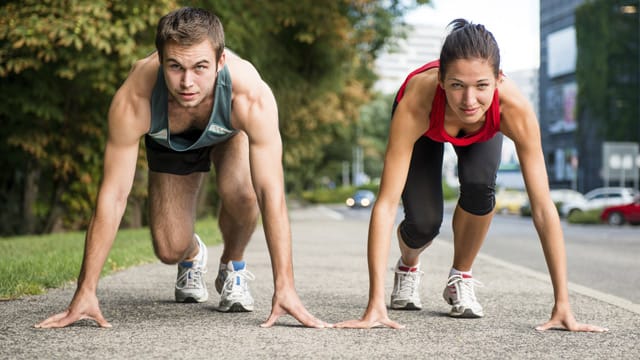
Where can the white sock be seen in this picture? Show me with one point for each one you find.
(402, 264)
(455, 271)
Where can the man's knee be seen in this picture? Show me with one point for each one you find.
(417, 235)
(241, 203)
(477, 199)
(170, 250)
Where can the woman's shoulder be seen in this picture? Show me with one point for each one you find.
(510, 95)
(423, 86)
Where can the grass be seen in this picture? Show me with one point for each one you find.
(29, 265)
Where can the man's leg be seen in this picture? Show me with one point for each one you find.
(238, 214)
(172, 213)
(237, 217)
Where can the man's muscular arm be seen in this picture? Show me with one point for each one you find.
(129, 117)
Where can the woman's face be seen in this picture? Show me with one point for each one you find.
(469, 85)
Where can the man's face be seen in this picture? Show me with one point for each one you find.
(190, 72)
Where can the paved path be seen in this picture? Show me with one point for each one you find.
(331, 277)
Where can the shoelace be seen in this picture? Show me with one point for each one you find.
(464, 288)
(191, 278)
(408, 284)
(231, 290)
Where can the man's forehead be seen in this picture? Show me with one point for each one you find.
(201, 52)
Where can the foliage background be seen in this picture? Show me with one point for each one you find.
(62, 60)
(607, 71)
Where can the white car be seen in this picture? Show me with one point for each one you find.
(600, 198)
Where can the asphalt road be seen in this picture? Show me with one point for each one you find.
(331, 278)
(601, 257)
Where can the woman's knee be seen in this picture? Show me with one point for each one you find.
(477, 199)
(417, 235)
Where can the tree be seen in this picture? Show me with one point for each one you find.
(607, 70)
(62, 60)
(318, 59)
(60, 63)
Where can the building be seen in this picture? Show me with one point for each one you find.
(591, 161)
(558, 91)
(421, 45)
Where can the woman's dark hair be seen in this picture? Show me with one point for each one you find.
(190, 26)
(469, 41)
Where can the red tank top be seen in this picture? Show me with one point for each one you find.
(436, 130)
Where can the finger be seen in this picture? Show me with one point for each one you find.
(271, 320)
(52, 319)
(549, 325)
(308, 320)
(62, 322)
(589, 328)
(392, 324)
(354, 324)
(102, 322)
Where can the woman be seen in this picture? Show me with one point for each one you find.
(463, 99)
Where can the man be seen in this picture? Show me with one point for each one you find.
(182, 100)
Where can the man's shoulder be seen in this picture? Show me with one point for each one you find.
(243, 73)
(143, 75)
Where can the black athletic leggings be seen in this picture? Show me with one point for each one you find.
(422, 195)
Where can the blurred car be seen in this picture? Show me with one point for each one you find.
(620, 214)
(361, 198)
(600, 198)
(559, 197)
(510, 201)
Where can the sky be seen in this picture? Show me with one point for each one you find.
(514, 24)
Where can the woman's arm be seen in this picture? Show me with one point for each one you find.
(519, 123)
(409, 122)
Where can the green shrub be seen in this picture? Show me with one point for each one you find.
(585, 217)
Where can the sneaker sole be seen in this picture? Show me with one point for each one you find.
(235, 308)
(191, 299)
(407, 306)
(466, 314)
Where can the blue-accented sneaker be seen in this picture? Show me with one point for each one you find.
(460, 294)
(232, 284)
(190, 284)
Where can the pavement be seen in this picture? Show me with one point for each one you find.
(332, 280)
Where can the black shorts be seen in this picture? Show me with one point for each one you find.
(165, 160)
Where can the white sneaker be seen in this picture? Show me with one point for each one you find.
(406, 286)
(190, 284)
(460, 294)
(232, 284)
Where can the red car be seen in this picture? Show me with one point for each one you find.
(619, 214)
